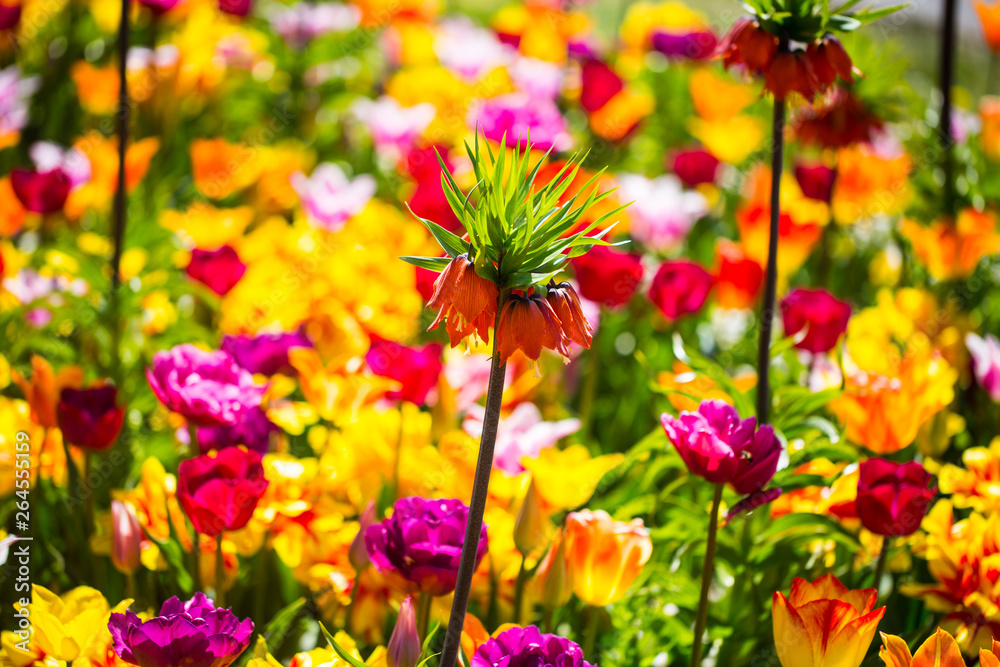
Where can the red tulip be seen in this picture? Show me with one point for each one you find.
(416, 369)
(219, 270)
(220, 492)
(893, 497)
(695, 166)
(680, 288)
(738, 278)
(822, 315)
(599, 83)
(606, 276)
(10, 15)
(40, 192)
(235, 7)
(90, 418)
(816, 181)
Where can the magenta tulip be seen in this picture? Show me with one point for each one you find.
(220, 492)
(823, 316)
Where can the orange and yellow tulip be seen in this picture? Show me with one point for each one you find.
(42, 390)
(989, 17)
(939, 650)
(824, 623)
(605, 556)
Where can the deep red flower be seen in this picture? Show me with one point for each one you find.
(816, 180)
(598, 84)
(791, 72)
(679, 288)
(220, 492)
(749, 45)
(893, 497)
(695, 166)
(528, 323)
(822, 315)
(219, 270)
(829, 60)
(40, 192)
(10, 15)
(90, 418)
(738, 278)
(415, 368)
(236, 7)
(607, 276)
(467, 300)
(565, 304)
(428, 199)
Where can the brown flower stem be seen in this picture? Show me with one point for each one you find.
(196, 552)
(120, 212)
(771, 276)
(220, 574)
(424, 614)
(944, 126)
(477, 505)
(707, 569)
(880, 564)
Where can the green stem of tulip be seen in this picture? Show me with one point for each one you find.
(771, 276)
(477, 506)
(196, 559)
(707, 569)
(522, 579)
(590, 636)
(547, 620)
(424, 614)
(880, 564)
(399, 453)
(130, 589)
(220, 574)
(589, 386)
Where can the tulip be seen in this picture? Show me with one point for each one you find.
(235, 7)
(265, 353)
(357, 553)
(989, 18)
(219, 270)
(823, 316)
(738, 278)
(598, 84)
(716, 445)
(816, 181)
(608, 277)
(554, 576)
(42, 192)
(219, 493)
(938, 650)
(662, 212)
(394, 128)
(985, 351)
(428, 199)
(517, 647)
(416, 368)
(530, 523)
(893, 497)
(206, 388)
(419, 546)
(126, 537)
(90, 418)
(605, 556)
(193, 633)
(680, 288)
(404, 645)
(824, 623)
(159, 7)
(695, 45)
(329, 198)
(10, 15)
(517, 116)
(528, 323)
(253, 431)
(695, 166)
(467, 300)
(45, 387)
(990, 657)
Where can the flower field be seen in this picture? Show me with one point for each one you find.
(537, 333)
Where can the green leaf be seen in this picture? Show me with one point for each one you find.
(432, 263)
(279, 625)
(450, 243)
(339, 650)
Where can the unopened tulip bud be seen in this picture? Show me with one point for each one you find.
(358, 552)
(554, 578)
(404, 645)
(126, 535)
(530, 524)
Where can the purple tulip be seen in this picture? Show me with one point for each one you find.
(985, 351)
(265, 353)
(528, 647)
(192, 633)
(717, 445)
(253, 430)
(207, 388)
(420, 545)
(404, 646)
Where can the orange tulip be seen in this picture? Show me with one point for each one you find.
(824, 623)
(43, 389)
(939, 650)
(990, 658)
(605, 556)
(989, 16)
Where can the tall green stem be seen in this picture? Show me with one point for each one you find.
(523, 575)
(590, 636)
(220, 574)
(399, 453)
(196, 553)
(424, 614)
(707, 569)
(880, 564)
(771, 277)
(477, 506)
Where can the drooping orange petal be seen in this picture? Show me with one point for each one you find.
(894, 651)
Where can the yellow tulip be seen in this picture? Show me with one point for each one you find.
(605, 556)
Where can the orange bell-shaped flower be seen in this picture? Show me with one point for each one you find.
(528, 323)
(467, 300)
